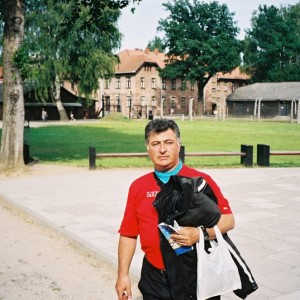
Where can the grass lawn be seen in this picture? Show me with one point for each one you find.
(68, 144)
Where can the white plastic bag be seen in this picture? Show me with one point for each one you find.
(217, 273)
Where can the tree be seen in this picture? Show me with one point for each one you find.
(80, 50)
(1, 44)
(201, 41)
(272, 45)
(156, 43)
(61, 42)
(13, 104)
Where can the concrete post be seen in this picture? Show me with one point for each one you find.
(92, 158)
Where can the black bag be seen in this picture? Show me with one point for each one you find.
(181, 200)
(188, 201)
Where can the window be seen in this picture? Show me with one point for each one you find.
(163, 83)
(225, 86)
(183, 84)
(164, 101)
(142, 82)
(192, 86)
(118, 82)
(182, 102)
(173, 84)
(153, 83)
(213, 90)
(143, 101)
(173, 102)
(129, 101)
(128, 83)
(153, 101)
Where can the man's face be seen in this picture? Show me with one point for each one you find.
(163, 149)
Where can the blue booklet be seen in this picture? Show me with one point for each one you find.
(167, 230)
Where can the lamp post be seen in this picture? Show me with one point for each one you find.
(161, 100)
(103, 105)
(130, 104)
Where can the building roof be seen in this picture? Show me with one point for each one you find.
(269, 91)
(132, 60)
(234, 74)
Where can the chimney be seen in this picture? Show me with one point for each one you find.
(147, 50)
(156, 51)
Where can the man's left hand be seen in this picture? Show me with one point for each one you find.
(187, 236)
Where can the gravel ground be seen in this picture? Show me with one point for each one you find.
(38, 264)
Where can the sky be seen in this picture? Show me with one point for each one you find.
(139, 28)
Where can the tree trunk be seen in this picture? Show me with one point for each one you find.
(12, 139)
(201, 103)
(201, 100)
(61, 110)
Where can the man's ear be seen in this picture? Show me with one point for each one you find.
(147, 147)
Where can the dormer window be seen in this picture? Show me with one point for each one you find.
(147, 68)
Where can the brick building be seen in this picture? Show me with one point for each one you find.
(137, 90)
(219, 87)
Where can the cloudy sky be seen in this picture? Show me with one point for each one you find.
(139, 28)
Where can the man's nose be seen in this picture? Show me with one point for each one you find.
(162, 148)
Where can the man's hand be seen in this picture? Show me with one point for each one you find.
(187, 236)
(123, 287)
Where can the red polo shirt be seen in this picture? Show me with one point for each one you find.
(141, 218)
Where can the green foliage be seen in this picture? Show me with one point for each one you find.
(201, 40)
(69, 40)
(272, 45)
(68, 144)
(156, 43)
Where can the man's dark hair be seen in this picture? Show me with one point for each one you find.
(161, 125)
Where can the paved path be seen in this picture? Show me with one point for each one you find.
(87, 207)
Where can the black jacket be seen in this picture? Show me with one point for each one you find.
(191, 202)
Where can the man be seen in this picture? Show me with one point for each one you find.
(44, 115)
(141, 218)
